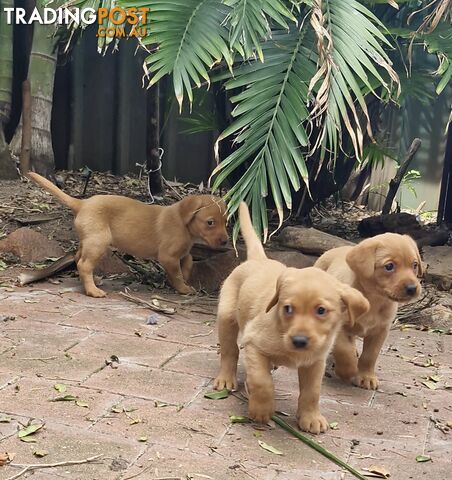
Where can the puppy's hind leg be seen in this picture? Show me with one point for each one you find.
(345, 356)
(228, 331)
(91, 251)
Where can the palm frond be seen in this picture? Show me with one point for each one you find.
(103, 42)
(270, 116)
(350, 42)
(187, 39)
(439, 43)
(249, 22)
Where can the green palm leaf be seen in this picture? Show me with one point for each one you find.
(350, 43)
(249, 22)
(188, 38)
(270, 116)
(103, 42)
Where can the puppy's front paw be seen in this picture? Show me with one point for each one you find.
(96, 293)
(313, 422)
(225, 380)
(260, 412)
(368, 381)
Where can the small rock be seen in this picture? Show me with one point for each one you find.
(210, 273)
(30, 246)
(153, 319)
(118, 464)
(439, 260)
(110, 264)
(292, 258)
(402, 223)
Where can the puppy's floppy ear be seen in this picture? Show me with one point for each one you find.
(275, 297)
(355, 302)
(420, 263)
(361, 259)
(189, 206)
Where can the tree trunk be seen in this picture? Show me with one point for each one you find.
(25, 149)
(153, 162)
(7, 167)
(41, 74)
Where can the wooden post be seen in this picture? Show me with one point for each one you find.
(153, 141)
(445, 198)
(25, 149)
(394, 184)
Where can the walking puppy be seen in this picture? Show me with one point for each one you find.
(149, 231)
(385, 269)
(287, 317)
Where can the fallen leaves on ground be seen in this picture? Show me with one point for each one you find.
(40, 453)
(6, 457)
(238, 419)
(423, 458)
(269, 448)
(217, 394)
(24, 433)
(379, 471)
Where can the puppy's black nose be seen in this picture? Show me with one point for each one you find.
(224, 242)
(300, 341)
(411, 289)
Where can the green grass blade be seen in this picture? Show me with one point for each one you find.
(313, 444)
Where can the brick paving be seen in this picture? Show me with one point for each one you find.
(147, 416)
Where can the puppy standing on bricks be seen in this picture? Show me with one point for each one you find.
(385, 269)
(148, 231)
(287, 316)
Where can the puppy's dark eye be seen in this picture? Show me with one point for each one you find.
(211, 222)
(288, 309)
(415, 265)
(321, 311)
(390, 267)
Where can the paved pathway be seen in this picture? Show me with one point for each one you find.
(147, 415)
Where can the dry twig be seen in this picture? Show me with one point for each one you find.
(156, 307)
(36, 466)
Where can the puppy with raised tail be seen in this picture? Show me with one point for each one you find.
(148, 231)
(287, 317)
(385, 269)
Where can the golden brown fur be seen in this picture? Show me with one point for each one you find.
(367, 267)
(278, 311)
(149, 231)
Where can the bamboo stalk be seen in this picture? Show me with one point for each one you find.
(24, 160)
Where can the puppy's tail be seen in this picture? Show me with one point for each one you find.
(254, 248)
(73, 203)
